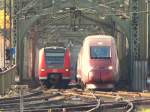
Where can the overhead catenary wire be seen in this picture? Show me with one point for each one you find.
(89, 9)
(145, 11)
(28, 6)
(112, 2)
(121, 13)
(94, 11)
(130, 12)
(34, 2)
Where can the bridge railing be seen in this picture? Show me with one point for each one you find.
(6, 79)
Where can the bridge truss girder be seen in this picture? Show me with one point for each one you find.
(27, 12)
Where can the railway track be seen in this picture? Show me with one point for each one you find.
(75, 100)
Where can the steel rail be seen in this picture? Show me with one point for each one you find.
(114, 94)
(130, 105)
(105, 105)
(25, 96)
(28, 101)
(56, 107)
(15, 101)
(98, 102)
(52, 100)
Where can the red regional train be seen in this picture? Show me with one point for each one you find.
(98, 65)
(54, 67)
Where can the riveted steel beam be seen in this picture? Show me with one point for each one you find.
(138, 45)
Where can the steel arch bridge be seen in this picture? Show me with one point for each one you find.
(81, 18)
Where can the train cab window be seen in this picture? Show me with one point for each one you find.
(100, 52)
(55, 59)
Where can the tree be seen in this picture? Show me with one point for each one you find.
(2, 20)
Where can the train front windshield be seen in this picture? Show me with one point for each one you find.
(100, 52)
(55, 59)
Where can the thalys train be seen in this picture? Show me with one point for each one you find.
(97, 64)
(53, 66)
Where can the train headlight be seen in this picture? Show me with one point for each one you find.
(91, 67)
(42, 70)
(110, 67)
(66, 70)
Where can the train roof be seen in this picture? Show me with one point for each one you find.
(99, 40)
(54, 47)
(91, 37)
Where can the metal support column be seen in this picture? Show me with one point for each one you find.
(147, 28)
(15, 20)
(4, 29)
(10, 29)
(17, 36)
(138, 45)
(20, 40)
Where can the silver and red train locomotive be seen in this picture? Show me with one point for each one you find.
(98, 65)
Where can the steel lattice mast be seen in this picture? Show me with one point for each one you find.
(138, 44)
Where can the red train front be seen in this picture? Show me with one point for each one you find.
(98, 65)
(54, 66)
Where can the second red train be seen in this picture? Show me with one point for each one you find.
(53, 66)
